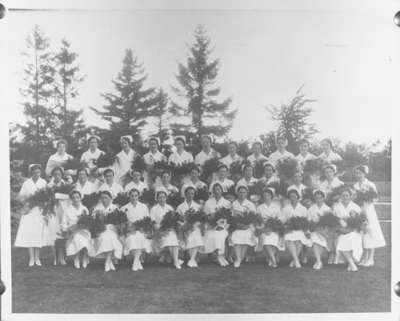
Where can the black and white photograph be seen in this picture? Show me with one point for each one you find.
(189, 157)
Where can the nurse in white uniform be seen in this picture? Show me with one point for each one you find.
(207, 151)
(222, 179)
(59, 158)
(136, 242)
(270, 177)
(180, 156)
(304, 154)
(328, 155)
(153, 155)
(124, 159)
(298, 184)
(31, 227)
(281, 151)
(93, 153)
(110, 185)
(331, 180)
(83, 185)
(257, 155)
(232, 155)
(136, 182)
(373, 237)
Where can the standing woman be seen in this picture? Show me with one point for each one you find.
(248, 178)
(373, 237)
(165, 183)
(304, 154)
(93, 153)
(257, 155)
(107, 244)
(168, 239)
(207, 151)
(136, 182)
(79, 243)
(295, 240)
(110, 184)
(31, 226)
(271, 240)
(59, 157)
(242, 237)
(222, 179)
(232, 155)
(349, 244)
(180, 156)
(328, 155)
(136, 241)
(153, 155)
(331, 180)
(298, 185)
(124, 158)
(193, 180)
(281, 152)
(194, 240)
(319, 241)
(83, 185)
(214, 238)
(270, 176)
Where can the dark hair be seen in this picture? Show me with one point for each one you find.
(75, 192)
(109, 170)
(293, 191)
(269, 191)
(188, 188)
(133, 190)
(181, 139)
(217, 185)
(361, 168)
(329, 141)
(222, 166)
(160, 192)
(108, 193)
(304, 141)
(82, 170)
(322, 193)
(57, 168)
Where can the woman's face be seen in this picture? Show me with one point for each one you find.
(194, 174)
(136, 176)
(257, 149)
(179, 145)
(93, 144)
(268, 171)
(105, 200)
(297, 178)
(319, 198)
(346, 197)
(82, 176)
(293, 198)
(329, 173)
(359, 175)
(326, 147)
(242, 194)
(36, 173)
(303, 148)
(217, 191)
(109, 177)
(76, 198)
(222, 173)
(248, 172)
(162, 198)
(124, 144)
(153, 145)
(134, 196)
(61, 148)
(205, 143)
(190, 194)
(281, 144)
(232, 149)
(267, 197)
(57, 175)
(166, 178)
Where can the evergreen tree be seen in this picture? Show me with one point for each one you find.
(199, 112)
(128, 110)
(68, 77)
(293, 120)
(38, 95)
(162, 116)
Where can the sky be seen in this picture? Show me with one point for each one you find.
(345, 53)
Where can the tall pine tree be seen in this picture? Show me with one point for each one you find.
(38, 95)
(198, 111)
(68, 77)
(130, 108)
(161, 114)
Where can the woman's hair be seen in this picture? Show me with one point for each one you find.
(108, 193)
(75, 192)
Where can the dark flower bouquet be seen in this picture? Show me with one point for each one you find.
(44, 199)
(148, 197)
(121, 199)
(256, 189)
(97, 226)
(105, 160)
(287, 167)
(174, 199)
(85, 222)
(139, 164)
(235, 169)
(157, 168)
(201, 194)
(313, 166)
(280, 187)
(357, 222)
(297, 223)
(230, 193)
(221, 219)
(171, 221)
(274, 224)
(64, 189)
(193, 218)
(91, 200)
(242, 221)
(259, 169)
(366, 194)
(328, 220)
(146, 225)
(209, 167)
(72, 163)
(334, 196)
(119, 219)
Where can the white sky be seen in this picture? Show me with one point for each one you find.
(346, 53)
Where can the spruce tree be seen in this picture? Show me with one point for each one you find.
(131, 106)
(162, 116)
(198, 110)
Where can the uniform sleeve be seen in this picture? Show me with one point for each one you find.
(24, 192)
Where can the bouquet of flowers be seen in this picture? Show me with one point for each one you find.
(121, 199)
(313, 166)
(287, 167)
(333, 196)
(97, 226)
(221, 219)
(148, 197)
(357, 222)
(182, 169)
(366, 194)
(328, 220)
(105, 160)
(85, 222)
(209, 167)
(242, 221)
(146, 225)
(63, 191)
(44, 199)
(230, 194)
(193, 218)
(256, 191)
(119, 219)
(235, 169)
(259, 169)
(201, 194)
(171, 221)
(157, 168)
(297, 223)
(139, 164)
(91, 200)
(72, 163)
(174, 199)
(274, 224)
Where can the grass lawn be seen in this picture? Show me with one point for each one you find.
(253, 288)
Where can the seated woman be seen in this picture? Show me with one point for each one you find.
(304, 155)
(107, 244)
(349, 243)
(59, 157)
(110, 185)
(222, 179)
(271, 240)
(215, 236)
(136, 182)
(193, 180)
(32, 224)
(79, 243)
(320, 241)
(194, 239)
(136, 241)
(243, 236)
(295, 239)
(270, 177)
(167, 239)
(298, 185)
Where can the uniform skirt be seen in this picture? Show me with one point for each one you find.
(107, 242)
(272, 239)
(136, 240)
(297, 236)
(244, 237)
(31, 230)
(194, 239)
(350, 242)
(168, 238)
(319, 239)
(214, 240)
(78, 241)
(373, 237)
